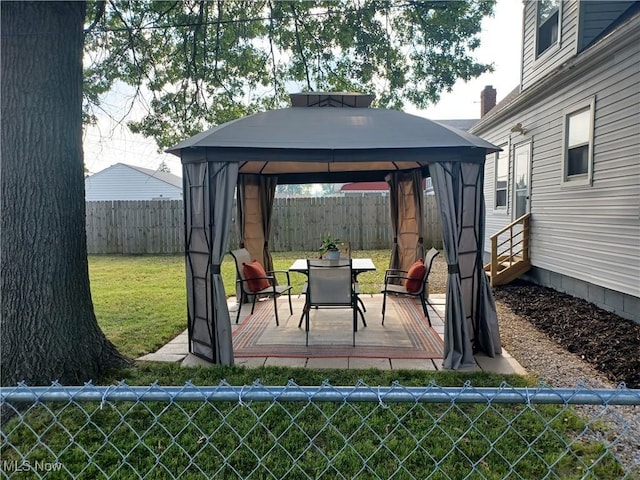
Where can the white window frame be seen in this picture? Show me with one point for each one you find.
(583, 179)
(505, 155)
(552, 46)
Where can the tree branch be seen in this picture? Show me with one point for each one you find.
(216, 75)
(299, 45)
(271, 51)
(99, 13)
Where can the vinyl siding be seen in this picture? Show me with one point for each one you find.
(120, 182)
(534, 68)
(588, 233)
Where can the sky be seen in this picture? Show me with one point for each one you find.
(108, 142)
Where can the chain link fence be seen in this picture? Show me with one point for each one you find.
(300, 432)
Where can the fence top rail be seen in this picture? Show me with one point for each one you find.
(323, 393)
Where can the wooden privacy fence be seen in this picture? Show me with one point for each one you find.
(135, 226)
(157, 226)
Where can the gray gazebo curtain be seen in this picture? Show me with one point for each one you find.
(209, 189)
(418, 195)
(407, 218)
(470, 313)
(448, 187)
(392, 180)
(487, 331)
(480, 306)
(488, 334)
(267, 194)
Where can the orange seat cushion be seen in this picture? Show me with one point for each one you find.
(415, 276)
(254, 273)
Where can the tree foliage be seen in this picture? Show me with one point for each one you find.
(207, 62)
(163, 167)
(294, 190)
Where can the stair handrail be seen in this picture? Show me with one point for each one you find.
(524, 220)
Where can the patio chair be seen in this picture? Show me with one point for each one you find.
(330, 285)
(254, 281)
(415, 282)
(356, 288)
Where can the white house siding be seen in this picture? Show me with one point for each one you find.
(587, 238)
(121, 182)
(533, 69)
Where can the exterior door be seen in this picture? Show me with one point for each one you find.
(521, 179)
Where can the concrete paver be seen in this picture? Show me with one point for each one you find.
(175, 348)
(286, 362)
(163, 357)
(365, 363)
(413, 364)
(333, 363)
(501, 364)
(250, 362)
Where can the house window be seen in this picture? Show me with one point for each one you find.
(548, 24)
(502, 179)
(578, 144)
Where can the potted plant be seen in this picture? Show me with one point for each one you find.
(329, 248)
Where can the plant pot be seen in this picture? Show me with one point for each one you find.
(332, 255)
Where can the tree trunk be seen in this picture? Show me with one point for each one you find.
(48, 327)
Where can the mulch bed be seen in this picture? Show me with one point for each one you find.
(608, 342)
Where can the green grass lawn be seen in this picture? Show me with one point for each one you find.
(140, 304)
(139, 301)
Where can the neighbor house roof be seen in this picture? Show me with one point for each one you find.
(463, 124)
(377, 186)
(364, 186)
(166, 177)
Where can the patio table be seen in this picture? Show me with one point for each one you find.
(358, 265)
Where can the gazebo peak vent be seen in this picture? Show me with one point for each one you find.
(331, 99)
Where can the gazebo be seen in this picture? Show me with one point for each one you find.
(345, 141)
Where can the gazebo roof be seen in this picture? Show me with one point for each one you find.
(329, 144)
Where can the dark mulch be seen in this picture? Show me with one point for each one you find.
(608, 342)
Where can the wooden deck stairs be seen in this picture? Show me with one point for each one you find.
(509, 252)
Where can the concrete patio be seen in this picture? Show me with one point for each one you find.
(177, 349)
